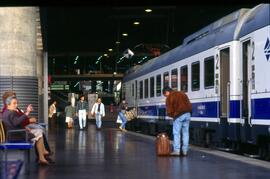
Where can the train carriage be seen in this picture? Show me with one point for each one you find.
(223, 69)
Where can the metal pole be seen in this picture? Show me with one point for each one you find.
(45, 93)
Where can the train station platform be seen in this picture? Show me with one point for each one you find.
(110, 153)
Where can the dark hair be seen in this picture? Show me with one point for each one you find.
(69, 103)
(81, 96)
(166, 88)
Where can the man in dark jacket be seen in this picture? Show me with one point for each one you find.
(179, 108)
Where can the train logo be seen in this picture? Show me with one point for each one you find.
(267, 49)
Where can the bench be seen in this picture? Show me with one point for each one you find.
(6, 145)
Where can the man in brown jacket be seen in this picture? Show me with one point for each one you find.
(179, 108)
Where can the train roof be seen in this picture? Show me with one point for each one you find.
(219, 32)
(251, 22)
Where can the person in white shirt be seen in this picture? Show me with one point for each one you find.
(81, 112)
(99, 111)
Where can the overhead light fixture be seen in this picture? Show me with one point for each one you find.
(105, 55)
(136, 23)
(117, 42)
(125, 34)
(148, 10)
(110, 50)
(128, 53)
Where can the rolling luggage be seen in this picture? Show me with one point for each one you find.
(163, 146)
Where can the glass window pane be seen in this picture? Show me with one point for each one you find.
(158, 85)
(166, 79)
(141, 89)
(132, 89)
(146, 88)
(174, 79)
(136, 90)
(152, 85)
(184, 78)
(209, 72)
(195, 76)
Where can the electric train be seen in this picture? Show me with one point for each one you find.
(224, 68)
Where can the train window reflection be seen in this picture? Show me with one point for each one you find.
(146, 88)
(152, 85)
(158, 85)
(166, 79)
(174, 76)
(141, 89)
(209, 72)
(195, 76)
(184, 78)
(132, 89)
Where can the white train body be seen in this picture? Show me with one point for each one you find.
(228, 77)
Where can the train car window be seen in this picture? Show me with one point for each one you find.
(158, 85)
(195, 76)
(146, 88)
(136, 89)
(166, 79)
(184, 78)
(209, 72)
(152, 85)
(174, 79)
(132, 90)
(141, 89)
(123, 91)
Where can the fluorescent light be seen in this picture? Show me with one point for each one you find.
(136, 23)
(148, 10)
(105, 55)
(125, 34)
(76, 84)
(110, 50)
(117, 42)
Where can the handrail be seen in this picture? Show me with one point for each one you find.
(249, 105)
(228, 101)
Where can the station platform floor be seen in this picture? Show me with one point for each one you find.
(110, 153)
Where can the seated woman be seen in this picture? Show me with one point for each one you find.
(26, 123)
(12, 121)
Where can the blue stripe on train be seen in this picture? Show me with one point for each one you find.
(260, 109)
(204, 109)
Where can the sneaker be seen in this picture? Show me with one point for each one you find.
(120, 128)
(175, 153)
(184, 154)
(124, 130)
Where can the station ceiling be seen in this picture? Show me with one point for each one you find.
(89, 32)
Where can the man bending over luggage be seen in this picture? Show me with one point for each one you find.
(179, 108)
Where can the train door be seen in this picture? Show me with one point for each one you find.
(245, 108)
(224, 82)
(224, 59)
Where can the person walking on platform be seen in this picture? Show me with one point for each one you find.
(70, 112)
(98, 110)
(179, 108)
(121, 114)
(52, 115)
(81, 111)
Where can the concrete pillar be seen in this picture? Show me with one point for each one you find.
(18, 41)
(18, 64)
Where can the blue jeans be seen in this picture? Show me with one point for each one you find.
(98, 120)
(124, 119)
(181, 127)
